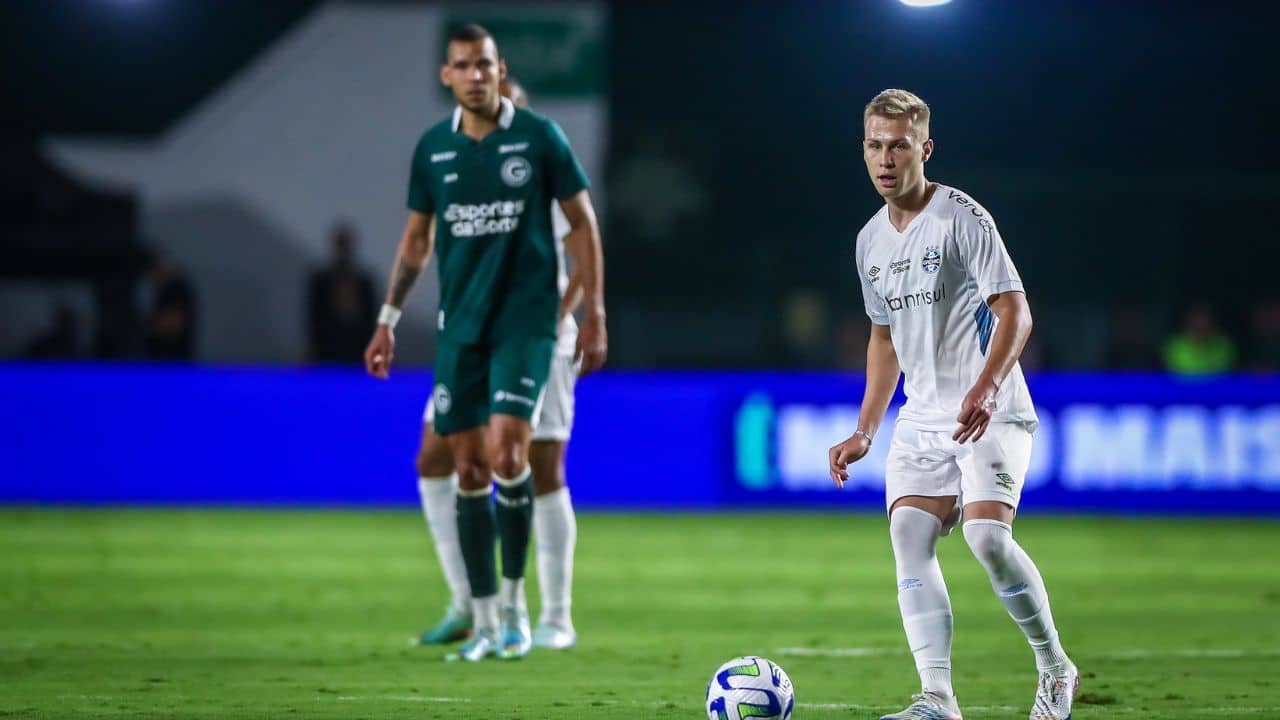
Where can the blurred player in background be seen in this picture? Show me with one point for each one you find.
(947, 308)
(555, 528)
(488, 175)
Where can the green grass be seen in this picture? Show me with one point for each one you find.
(221, 614)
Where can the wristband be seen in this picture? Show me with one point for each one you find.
(864, 434)
(389, 315)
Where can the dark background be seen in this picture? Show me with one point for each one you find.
(1125, 149)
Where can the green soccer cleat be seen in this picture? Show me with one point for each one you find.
(554, 637)
(454, 626)
(483, 644)
(516, 638)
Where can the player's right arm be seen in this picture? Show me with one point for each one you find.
(411, 257)
(883, 373)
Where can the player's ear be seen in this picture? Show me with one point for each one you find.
(927, 149)
(444, 75)
(502, 69)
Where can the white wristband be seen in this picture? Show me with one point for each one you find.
(389, 315)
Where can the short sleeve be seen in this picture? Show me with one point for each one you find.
(420, 180)
(871, 301)
(566, 174)
(985, 258)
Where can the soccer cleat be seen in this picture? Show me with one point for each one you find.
(483, 644)
(516, 639)
(454, 626)
(554, 637)
(928, 706)
(1054, 694)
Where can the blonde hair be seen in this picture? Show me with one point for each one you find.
(895, 103)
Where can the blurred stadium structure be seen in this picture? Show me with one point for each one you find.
(1116, 158)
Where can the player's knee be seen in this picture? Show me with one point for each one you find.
(991, 542)
(509, 463)
(433, 464)
(546, 459)
(473, 474)
(913, 531)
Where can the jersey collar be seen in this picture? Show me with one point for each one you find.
(506, 113)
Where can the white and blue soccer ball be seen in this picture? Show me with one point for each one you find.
(750, 687)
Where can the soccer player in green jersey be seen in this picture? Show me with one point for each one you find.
(554, 524)
(486, 176)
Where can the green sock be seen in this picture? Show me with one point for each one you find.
(515, 519)
(476, 534)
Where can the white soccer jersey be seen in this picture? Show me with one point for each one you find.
(930, 285)
(567, 333)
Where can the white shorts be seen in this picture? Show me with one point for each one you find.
(553, 418)
(930, 463)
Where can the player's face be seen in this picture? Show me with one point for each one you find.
(895, 157)
(473, 71)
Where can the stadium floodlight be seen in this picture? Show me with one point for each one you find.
(924, 3)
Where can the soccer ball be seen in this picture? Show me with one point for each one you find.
(750, 687)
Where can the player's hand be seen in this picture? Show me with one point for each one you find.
(593, 343)
(377, 356)
(839, 456)
(975, 411)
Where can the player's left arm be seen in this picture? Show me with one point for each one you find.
(586, 281)
(1013, 327)
(988, 263)
(569, 185)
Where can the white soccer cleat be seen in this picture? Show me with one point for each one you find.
(554, 637)
(483, 644)
(1054, 694)
(928, 706)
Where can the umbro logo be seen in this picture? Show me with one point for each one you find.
(874, 273)
(1004, 480)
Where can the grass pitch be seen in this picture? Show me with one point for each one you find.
(230, 614)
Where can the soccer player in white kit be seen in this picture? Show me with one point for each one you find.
(948, 309)
(555, 526)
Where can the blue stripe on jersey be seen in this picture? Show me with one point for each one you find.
(986, 321)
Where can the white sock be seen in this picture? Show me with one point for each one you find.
(555, 530)
(1018, 584)
(440, 508)
(511, 592)
(485, 613)
(922, 596)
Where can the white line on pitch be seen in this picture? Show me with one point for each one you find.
(1142, 653)
(837, 652)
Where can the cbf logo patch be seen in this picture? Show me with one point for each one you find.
(932, 259)
(516, 171)
(440, 396)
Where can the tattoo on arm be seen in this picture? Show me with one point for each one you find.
(402, 280)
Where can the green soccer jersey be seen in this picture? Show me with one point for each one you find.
(492, 203)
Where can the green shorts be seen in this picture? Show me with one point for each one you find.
(473, 381)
